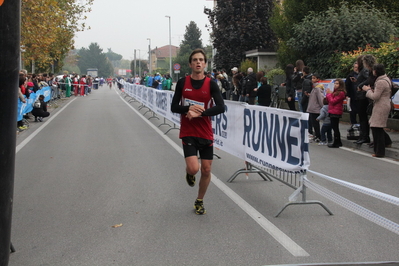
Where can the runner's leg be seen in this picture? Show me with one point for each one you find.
(205, 177)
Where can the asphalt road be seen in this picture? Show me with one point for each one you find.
(98, 183)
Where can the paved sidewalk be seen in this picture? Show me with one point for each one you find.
(392, 152)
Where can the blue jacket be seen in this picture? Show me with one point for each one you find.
(324, 115)
(149, 81)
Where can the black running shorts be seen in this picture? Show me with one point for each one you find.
(193, 145)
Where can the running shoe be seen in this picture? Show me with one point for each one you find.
(199, 207)
(190, 179)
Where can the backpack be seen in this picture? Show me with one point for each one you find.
(353, 132)
(225, 84)
(37, 104)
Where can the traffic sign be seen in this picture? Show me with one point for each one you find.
(176, 66)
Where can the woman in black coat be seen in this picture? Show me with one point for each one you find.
(289, 86)
(40, 109)
(264, 93)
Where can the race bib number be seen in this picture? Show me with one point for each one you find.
(188, 102)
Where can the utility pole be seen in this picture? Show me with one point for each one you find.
(10, 30)
(170, 47)
(135, 65)
(149, 56)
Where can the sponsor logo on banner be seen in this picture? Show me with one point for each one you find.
(275, 139)
(219, 127)
(161, 102)
(150, 99)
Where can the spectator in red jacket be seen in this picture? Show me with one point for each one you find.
(335, 110)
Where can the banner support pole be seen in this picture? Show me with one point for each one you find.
(10, 55)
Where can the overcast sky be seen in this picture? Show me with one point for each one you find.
(125, 25)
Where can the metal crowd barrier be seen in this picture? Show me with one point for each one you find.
(293, 180)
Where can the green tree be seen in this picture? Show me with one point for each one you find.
(291, 12)
(70, 62)
(93, 57)
(141, 66)
(192, 37)
(238, 26)
(318, 36)
(48, 28)
(114, 58)
(192, 40)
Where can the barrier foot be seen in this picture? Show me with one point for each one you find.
(131, 100)
(164, 123)
(305, 203)
(293, 199)
(249, 169)
(153, 115)
(12, 248)
(174, 127)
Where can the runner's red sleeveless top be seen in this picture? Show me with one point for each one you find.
(201, 126)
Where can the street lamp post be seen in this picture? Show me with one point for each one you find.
(170, 46)
(135, 65)
(149, 55)
(139, 63)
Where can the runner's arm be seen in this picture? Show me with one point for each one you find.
(217, 98)
(176, 107)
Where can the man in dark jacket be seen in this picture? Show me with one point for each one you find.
(250, 86)
(40, 109)
(350, 86)
(306, 88)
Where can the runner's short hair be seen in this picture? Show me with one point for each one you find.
(196, 51)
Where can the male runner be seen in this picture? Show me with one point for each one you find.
(197, 98)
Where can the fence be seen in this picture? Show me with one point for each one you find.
(273, 143)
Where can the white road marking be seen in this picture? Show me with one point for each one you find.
(37, 131)
(276, 233)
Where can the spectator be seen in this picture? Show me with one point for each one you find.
(89, 83)
(83, 85)
(365, 77)
(249, 86)
(350, 84)
(297, 80)
(236, 85)
(155, 83)
(35, 80)
(21, 92)
(223, 85)
(40, 109)
(326, 127)
(264, 93)
(290, 90)
(68, 85)
(315, 104)
(167, 83)
(159, 79)
(29, 89)
(259, 75)
(380, 93)
(335, 110)
(75, 85)
(150, 80)
(137, 80)
(306, 89)
(22, 83)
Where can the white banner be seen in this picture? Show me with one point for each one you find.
(264, 136)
